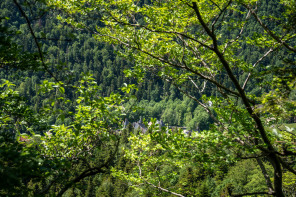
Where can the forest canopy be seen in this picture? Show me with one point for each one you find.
(223, 69)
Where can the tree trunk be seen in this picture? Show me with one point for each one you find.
(277, 175)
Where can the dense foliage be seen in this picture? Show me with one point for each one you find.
(73, 71)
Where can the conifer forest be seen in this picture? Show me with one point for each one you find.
(144, 98)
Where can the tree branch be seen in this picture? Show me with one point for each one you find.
(160, 31)
(287, 166)
(255, 64)
(253, 193)
(36, 41)
(169, 63)
(265, 174)
(204, 25)
(90, 171)
(219, 15)
(274, 159)
(238, 36)
(268, 31)
(158, 187)
(199, 102)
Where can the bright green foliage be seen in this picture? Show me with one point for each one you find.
(64, 154)
(95, 119)
(159, 156)
(88, 145)
(289, 182)
(203, 42)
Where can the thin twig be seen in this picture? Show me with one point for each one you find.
(254, 65)
(268, 31)
(251, 194)
(265, 174)
(36, 42)
(158, 187)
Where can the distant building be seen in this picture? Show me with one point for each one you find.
(140, 126)
(160, 123)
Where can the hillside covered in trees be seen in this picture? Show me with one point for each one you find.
(75, 73)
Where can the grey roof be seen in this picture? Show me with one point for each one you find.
(140, 126)
(160, 123)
